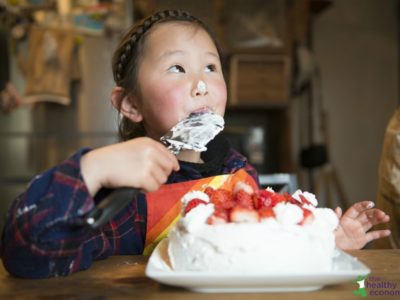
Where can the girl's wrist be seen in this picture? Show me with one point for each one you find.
(90, 173)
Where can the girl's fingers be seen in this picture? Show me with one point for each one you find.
(167, 159)
(158, 177)
(372, 217)
(368, 219)
(168, 165)
(165, 168)
(338, 212)
(377, 234)
(355, 210)
(150, 185)
(153, 182)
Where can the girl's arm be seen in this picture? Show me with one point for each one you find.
(43, 236)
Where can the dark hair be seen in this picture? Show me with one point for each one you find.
(127, 56)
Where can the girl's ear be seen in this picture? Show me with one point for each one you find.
(126, 104)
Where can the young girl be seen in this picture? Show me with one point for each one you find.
(165, 68)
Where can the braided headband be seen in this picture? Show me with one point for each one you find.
(143, 28)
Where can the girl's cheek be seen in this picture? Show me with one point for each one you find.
(221, 97)
(165, 96)
(170, 105)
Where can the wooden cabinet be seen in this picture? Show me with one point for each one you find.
(259, 80)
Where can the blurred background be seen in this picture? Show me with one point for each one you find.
(312, 85)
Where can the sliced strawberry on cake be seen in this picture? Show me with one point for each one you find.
(266, 213)
(220, 216)
(222, 199)
(240, 214)
(193, 203)
(308, 216)
(244, 199)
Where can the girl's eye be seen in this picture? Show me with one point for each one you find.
(211, 68)
(176, 69)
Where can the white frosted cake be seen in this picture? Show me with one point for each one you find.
(250, 232)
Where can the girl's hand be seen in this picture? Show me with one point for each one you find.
(352, 231)
(141, 163)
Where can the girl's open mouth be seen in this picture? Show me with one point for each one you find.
(201, 110)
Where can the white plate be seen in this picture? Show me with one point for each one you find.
(345, 268)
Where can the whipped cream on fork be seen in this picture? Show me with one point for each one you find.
(193, 132)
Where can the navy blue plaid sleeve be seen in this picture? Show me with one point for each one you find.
(42, 236)
(235, 161)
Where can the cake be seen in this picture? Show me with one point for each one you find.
(249, 231)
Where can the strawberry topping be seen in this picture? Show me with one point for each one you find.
(241, 206)
(244, 199)
(193, 203)
(266, 212)
(241, 215)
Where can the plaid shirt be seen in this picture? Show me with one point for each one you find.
(43, 237)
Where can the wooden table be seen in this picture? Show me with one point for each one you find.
(122, 277)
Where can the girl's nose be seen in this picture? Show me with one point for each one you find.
(200, 89)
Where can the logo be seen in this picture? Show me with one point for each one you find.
(376, 286)
(361, 286)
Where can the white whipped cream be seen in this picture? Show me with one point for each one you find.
(194, 132)
(251, 248)
(309, 196)
(194, 195)
(326, 218)
(287, 213)
(196, 218)
(201, 87)
(240, 185)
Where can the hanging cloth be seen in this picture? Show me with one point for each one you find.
(4, 60)
(49, 69)
(164, 206)
(9, 96)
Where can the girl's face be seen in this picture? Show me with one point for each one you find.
(176, 57)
